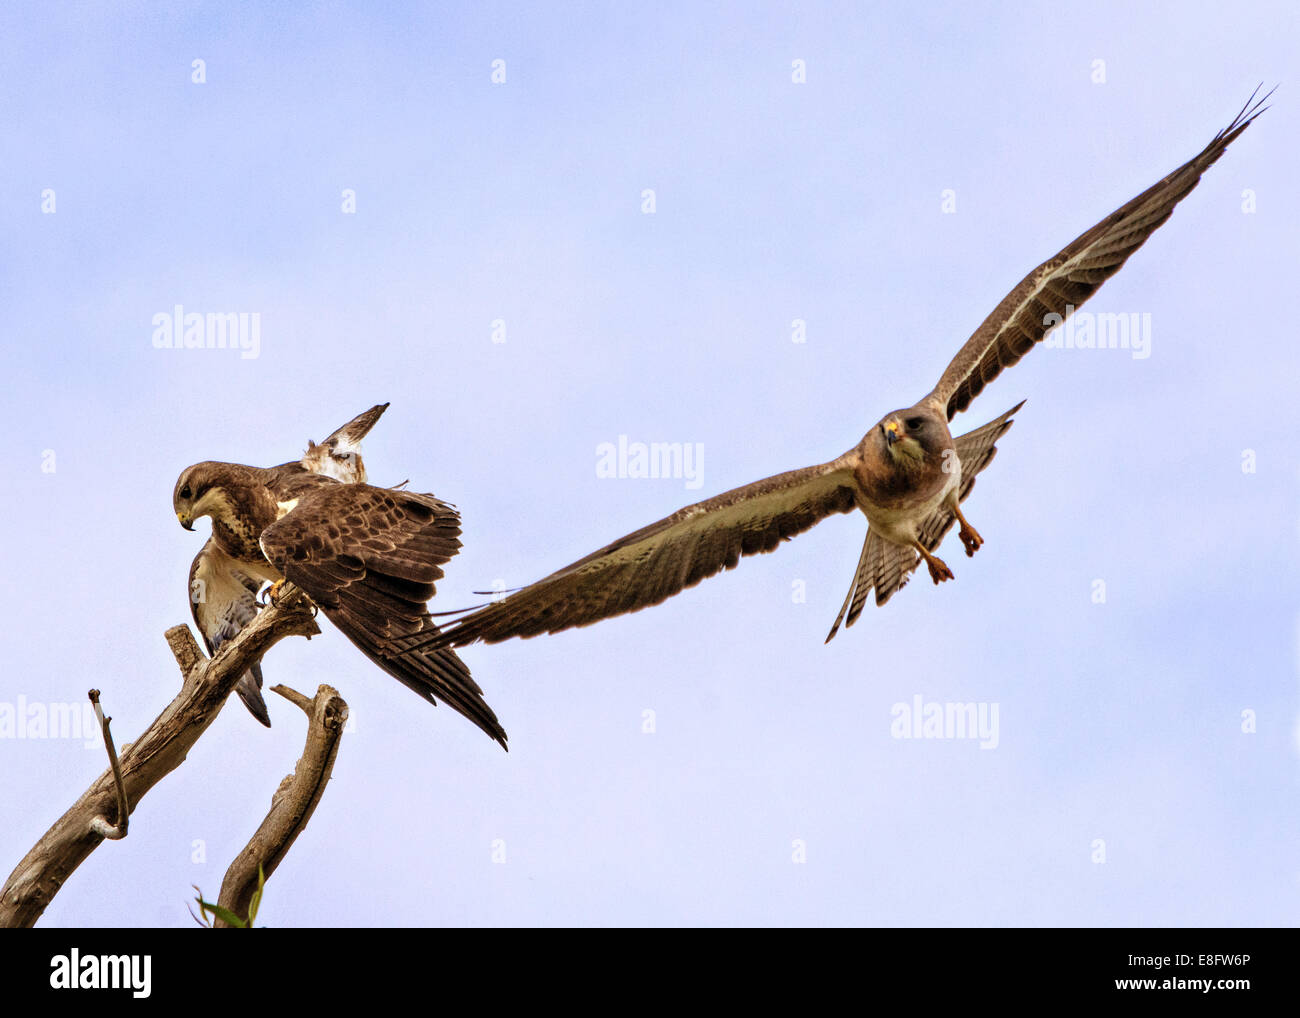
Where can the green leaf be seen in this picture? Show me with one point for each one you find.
(224, 914)
(256, 899)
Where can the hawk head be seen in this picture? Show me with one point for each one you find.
(200, 491)
(912, 437)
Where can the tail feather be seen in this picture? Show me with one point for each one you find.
(339, 456)
(884, 567)
(859, 580)
(249, 689)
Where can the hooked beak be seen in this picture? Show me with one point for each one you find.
(186, 521)
(892, 432)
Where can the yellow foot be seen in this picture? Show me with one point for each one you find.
(970, 538)
(272, 594)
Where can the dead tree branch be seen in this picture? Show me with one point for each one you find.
(294, 801)
(161, 749)
(99, 825)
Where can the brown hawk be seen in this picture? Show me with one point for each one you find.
(367, 556)
(907, 475)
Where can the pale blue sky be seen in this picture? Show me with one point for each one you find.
(775, 201)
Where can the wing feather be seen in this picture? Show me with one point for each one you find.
(1062, 283)
(654, 563)
(369, 558)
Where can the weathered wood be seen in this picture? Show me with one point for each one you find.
(161, 749)
(294, 801)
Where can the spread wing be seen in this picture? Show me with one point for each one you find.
(658, 561)
(1061, 284)
(223, 600)
(886, 567)
(369, 558)
(339, 456)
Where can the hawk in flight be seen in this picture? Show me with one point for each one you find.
(368, 557)
(907, 475)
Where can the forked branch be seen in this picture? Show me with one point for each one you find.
(161, 749)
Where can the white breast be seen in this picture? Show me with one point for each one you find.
(902, 526)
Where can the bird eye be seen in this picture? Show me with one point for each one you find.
(185, 492)
(915, 423)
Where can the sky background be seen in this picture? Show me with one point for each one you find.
(1122, 790)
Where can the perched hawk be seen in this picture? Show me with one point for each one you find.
(367, 556)
(907, 475)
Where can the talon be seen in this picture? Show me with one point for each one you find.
(971, 539)
(271, 595)
(939, 570)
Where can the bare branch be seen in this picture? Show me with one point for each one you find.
(186, 650)
(293, 803)
(98, 824)
(160, 750)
